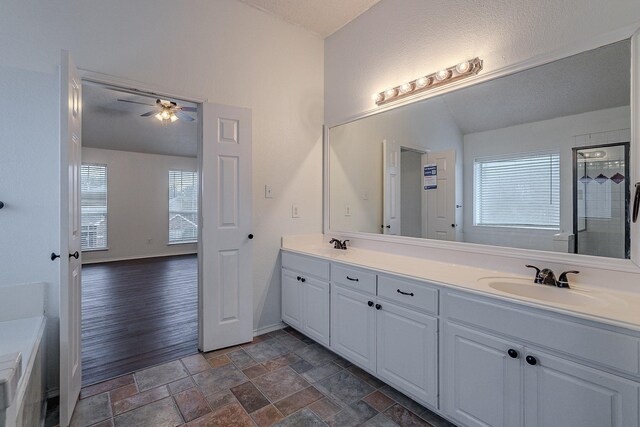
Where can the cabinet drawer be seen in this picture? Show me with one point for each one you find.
(355, 278)
(584, 342)
(409, 292)
(306, 265)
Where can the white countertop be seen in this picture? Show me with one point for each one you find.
(616, 308)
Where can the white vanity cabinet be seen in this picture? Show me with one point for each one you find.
(305, 295)
(500, 377)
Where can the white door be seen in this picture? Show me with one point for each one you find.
(481, 382)
(407, 354)
(316, 309)
(558, 392)
(441, 201)
(391, 187)
(292, 294)
(70, 228)
(353, 326)
(225, 279)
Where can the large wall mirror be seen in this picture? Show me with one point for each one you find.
(538, 159)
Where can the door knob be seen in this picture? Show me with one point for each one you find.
(250, 236)
(512, 353)
(531, 360)
(453, 226)
(75, 255)
(54, 256)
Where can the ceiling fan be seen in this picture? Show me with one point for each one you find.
(166, 111)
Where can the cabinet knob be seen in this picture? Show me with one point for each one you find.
(531, 360)
(378, 306)
(302, 279)
(370, 303)
(250, 236)
(298, 278)
(512, 353)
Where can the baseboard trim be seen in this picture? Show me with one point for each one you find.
(267, 329)
(129, 258)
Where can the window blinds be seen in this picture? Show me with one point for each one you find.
(183, 206)
(93, 202)
(518, 191)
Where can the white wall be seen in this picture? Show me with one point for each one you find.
(560, 135)
(223, 51)
(398, 40)
(137, 204)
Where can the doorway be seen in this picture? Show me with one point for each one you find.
(601, 196)
(139, 231)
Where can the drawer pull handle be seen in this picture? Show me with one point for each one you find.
(531, 360)
(352, 279)
(405, 293)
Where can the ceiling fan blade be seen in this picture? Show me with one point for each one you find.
(184, 116)
(150, 113)
(189, 109)
(136, 102)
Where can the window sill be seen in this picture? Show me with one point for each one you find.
(182, 243)
(95, 250)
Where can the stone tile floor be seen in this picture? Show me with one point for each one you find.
(282, 378)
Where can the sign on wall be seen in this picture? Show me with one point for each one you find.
(430, 175)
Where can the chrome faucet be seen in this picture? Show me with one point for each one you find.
(337, 244)
(547, 277)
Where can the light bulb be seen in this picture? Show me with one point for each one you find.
(463, 67)
(407, 87)
(173, 117)
(422, 82)
(442, 75)
(158, 116)
(378, 97)
(390, 93)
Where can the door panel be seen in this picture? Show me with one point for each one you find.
(441, 201)
(482, 385)
(291, 299)
(226, 283)
(353, 326)
(316, 310)
(391, 188)
(562, 393)
(70, 266)
(407, 355)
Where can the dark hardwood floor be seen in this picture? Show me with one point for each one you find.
(137, 314)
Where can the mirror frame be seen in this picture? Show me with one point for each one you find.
(631, 265)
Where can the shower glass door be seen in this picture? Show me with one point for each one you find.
(601, 200)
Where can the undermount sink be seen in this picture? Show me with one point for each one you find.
(528, 289)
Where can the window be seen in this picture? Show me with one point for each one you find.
(183, 207)
(93, 202)
(520, 190)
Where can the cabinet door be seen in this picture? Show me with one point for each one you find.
(316, 310)
(558, 392)
(353, 326)
(292, 292)
(407, 343)
(482, 384)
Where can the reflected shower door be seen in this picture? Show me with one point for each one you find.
(601, 200)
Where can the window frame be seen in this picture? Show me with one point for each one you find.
(197, 179)
(106, 215)
(517, 156)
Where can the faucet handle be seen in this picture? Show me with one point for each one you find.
(563, 282)
(344, 244)
(537, 279)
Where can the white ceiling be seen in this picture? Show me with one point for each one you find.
(115, 125)
(323, 17)
(590, 81)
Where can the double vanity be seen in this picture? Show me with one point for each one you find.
(479, 347)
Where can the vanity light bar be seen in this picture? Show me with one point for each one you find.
(424, 83)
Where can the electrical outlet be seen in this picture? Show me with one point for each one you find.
(268, 192)
(295, 211)
(347, 210)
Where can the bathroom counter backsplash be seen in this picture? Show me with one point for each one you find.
(612, 307)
